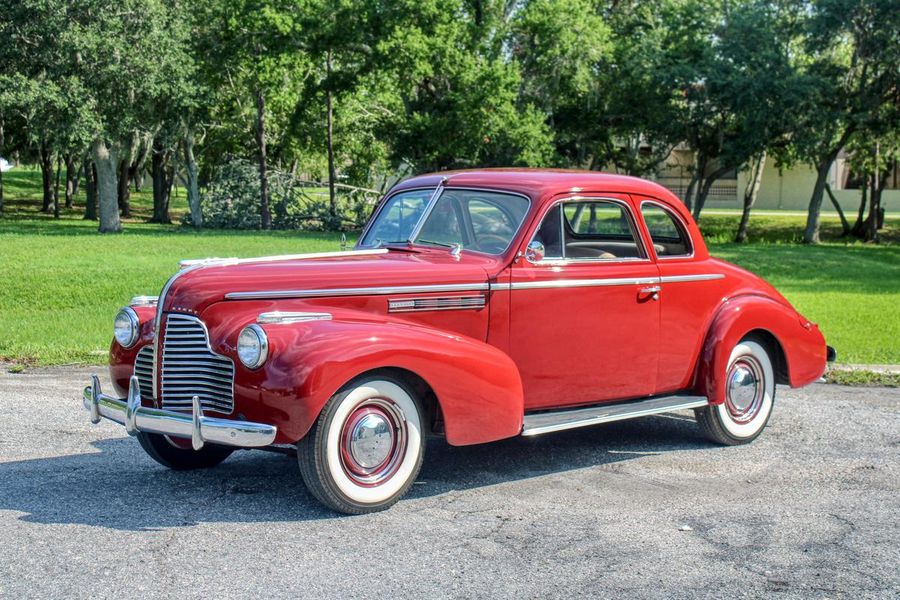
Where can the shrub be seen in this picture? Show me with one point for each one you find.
(232, 201)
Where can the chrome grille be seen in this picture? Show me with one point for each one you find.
(143, 370)
(190, 368)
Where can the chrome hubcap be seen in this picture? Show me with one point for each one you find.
(745, 389)
(373, 441)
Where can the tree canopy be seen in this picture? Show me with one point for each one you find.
(351, 92)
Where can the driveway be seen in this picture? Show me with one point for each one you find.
(637, 509)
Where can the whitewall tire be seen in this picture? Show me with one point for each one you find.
(749, 397)
(365, 449)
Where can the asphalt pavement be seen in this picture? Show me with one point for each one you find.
(636, 509)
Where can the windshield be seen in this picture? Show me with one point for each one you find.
(474, 220)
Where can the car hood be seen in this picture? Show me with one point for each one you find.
(200, 285)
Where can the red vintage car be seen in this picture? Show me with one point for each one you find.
(476, 305)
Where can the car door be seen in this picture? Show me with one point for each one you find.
(584, 320)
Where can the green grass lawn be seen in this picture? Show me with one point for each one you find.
(62, 282)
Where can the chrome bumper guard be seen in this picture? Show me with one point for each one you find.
(195, 427)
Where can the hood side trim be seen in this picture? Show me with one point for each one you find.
(363, 291)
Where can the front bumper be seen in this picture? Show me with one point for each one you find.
(195, 427)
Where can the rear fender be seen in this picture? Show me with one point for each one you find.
(800, 341)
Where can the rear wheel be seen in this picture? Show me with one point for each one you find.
(749, 397)
(178, 455)
(365, 449)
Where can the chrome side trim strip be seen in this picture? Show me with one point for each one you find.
(281, 257)
(362, 291)
(684, 278)
(573, 283)
(576, 283)
(431, 304)
(547, 422)
(278, 317)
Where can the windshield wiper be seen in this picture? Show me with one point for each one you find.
(444, 244)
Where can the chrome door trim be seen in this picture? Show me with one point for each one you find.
(575, 283)
(361, 291)
(685, 278)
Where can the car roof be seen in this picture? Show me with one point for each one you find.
(542, 184)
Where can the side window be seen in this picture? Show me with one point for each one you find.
(668, 235)
(599, 230)
(550, 234)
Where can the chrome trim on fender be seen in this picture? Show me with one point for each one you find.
(363, 291)
(195, 427)
(144, 301)
(684, 278)
(278, 317)
(402, 305)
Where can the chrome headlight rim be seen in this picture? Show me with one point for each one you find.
(263, 342)
(134, 323)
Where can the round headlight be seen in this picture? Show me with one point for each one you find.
(126, 327)
(253, 346)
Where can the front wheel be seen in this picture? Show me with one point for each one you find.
(365, 449)
(178, 455)
(749, 396)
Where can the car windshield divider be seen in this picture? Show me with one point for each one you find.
(431, 202)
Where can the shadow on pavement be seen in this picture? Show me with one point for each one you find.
(121, 488)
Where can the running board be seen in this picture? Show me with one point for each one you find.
(545, 422)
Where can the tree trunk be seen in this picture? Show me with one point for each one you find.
(845, 226)
(107, 186)
(265, 216)
(71, 179)
(750, 194)
(329, 110)
(90, 188)
(123, 192)
(137, 167)
(704, 190)
(2, 144)
(193, 186)
(872, 222)
(857, 229)
(158, 162)
(696, 176)
(46, 158)
(811, 235)
(56, 186)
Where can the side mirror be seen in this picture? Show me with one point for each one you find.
(534, 253)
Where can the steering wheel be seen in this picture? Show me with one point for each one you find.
(491, 242)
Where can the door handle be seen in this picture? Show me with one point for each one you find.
(653, 290)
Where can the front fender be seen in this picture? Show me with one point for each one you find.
(478, 387)
(801, 342)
